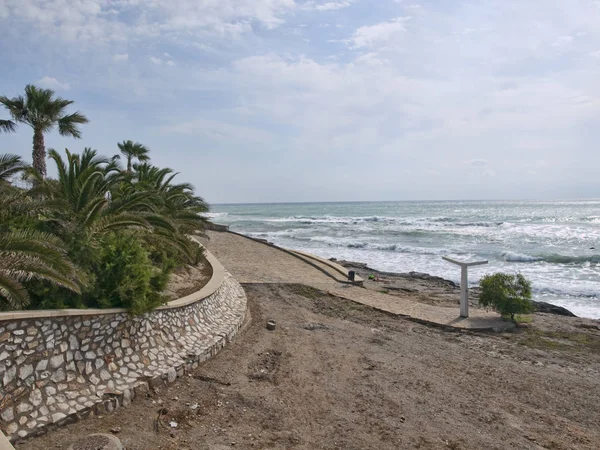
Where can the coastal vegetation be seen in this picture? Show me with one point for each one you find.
(508, 294)
(42, 111)
(97, 235)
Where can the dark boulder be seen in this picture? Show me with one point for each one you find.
(548, 308)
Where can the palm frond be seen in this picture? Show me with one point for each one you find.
(93, 211)
(32, 255)
(13, 292)
(7, 126)
(10, 165)
(120, 221)
(16, 107)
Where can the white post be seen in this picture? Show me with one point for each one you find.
(464, 283)
(464, 291)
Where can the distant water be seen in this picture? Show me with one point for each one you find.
(554, 244)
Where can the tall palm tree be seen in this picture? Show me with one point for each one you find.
(131, 150)
(42, 111)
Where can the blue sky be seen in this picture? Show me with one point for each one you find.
(302, 100)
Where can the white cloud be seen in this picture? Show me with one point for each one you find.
(100, 21)
(563, 41)
(477, 162)
(371, 35)
(53, 83)
(482, 88)
(333, 5)
(160, 61)
(219, 131)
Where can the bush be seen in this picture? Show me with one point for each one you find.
(119, 274)
(507, 294)
(126, 277)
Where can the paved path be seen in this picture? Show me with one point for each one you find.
(254, 262)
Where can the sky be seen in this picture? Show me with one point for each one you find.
(332, 100)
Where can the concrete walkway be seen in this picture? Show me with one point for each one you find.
(251, 261)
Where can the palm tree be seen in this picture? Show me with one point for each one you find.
(177, 202)
(26, 254)
(41, 111)
(81, 210)
(131, 150)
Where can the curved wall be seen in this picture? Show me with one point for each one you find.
(62, 365)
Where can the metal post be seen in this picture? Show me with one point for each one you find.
(464, 292)
(464, 283)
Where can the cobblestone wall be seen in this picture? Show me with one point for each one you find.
(59, 369)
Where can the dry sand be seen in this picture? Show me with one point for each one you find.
(338, 375)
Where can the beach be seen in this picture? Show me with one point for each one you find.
(339, 374)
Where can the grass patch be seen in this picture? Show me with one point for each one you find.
(305, 291)
(523, 319)
(560, 340)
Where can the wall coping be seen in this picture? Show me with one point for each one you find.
(5, 443)
(217, 278)
(335, 266)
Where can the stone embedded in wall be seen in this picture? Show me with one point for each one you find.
(82, 359)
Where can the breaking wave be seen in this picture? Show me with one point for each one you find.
(554, 259)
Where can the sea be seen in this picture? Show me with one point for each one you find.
(555, 244)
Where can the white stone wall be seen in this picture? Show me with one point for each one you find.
(59, 369)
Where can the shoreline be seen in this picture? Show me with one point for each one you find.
(424, 287)
(554, 247)
(423, 284)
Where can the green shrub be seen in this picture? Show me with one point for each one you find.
(125, 276)
(45, 295)
(507, 294)
(119, 273)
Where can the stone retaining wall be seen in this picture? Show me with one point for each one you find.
(216, 227)
(70, 364)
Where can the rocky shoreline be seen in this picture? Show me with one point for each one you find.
(427, 288)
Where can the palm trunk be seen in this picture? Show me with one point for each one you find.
(128, 164)
(39, 153)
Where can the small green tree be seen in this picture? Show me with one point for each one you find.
(507, 294)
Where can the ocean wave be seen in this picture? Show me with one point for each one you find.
(357, 245)
(332, 219)
(560, 259)
(387, 247)
(395, 248)
(563, 293)
(432, 221)
(478, 224)
(518, 257)
(553, 259)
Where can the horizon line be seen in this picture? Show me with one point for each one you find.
(403, 201)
